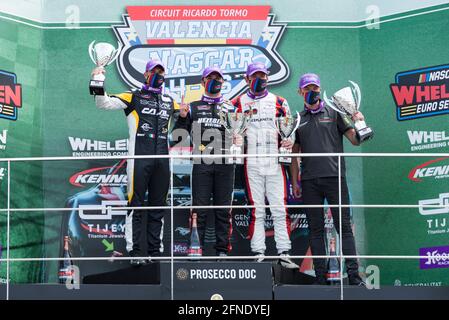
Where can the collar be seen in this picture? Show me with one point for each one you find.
(258, 96)
(210, 100)
(314, 111)
(146, 87)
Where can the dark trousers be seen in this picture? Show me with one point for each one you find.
(314, 191)
(152, 175)
(216, 181)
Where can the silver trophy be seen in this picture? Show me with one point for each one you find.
(347, 101)
(102, 54)
(286, 126)
(235, 123)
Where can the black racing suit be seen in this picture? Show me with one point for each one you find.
(210, 177)
(148, 115)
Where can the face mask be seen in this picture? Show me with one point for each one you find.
(258, 85)
(213, 86)
(312, 97)
(155, 80)
(313, 111)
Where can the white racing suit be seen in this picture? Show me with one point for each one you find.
(264, 176)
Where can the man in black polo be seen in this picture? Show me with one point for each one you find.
(321, 131)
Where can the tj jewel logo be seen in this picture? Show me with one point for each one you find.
(421, 93)
(436, 214)
(10, 95)
(188, 39)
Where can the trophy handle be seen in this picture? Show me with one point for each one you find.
(244, 124)
(91, 50)
(298, 121)
(330, 103)
(356, 91)
(116, 53)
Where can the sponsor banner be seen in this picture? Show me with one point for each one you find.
(188, 39)
(193, 280)
(437, 218)
(110, 175)
(425, 140)
(216, 271)
(104, 220)
(430, 170)
(83, 147)
(180, 248)
(10, 96)
(421, 93)
(442, 200)
(437, 257)
(398, 283)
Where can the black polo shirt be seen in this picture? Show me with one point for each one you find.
(322, 132)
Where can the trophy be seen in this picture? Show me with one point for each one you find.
(347, 101)
(286, 126)
(102, 54)
(235, 123)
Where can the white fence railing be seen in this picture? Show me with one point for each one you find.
(171, 157)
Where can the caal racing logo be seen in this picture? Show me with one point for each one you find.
(10, 95)
(421, 93)
(429, 169)
(188, 39)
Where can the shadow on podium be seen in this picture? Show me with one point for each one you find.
(283, 275)
(147, 274)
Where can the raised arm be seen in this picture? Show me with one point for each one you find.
(111, 102)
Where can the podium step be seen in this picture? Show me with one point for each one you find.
(146, 274)
(223, 280)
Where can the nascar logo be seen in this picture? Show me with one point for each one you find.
(189, 38)
(421, 93)
(433, 76)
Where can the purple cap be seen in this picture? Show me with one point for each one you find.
(309, 78)
(154, 63)
(209, 70)
(256, 67)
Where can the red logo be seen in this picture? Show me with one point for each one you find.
(102, 175)
(425, 170)
(10, 95)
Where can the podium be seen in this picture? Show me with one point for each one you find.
(206, 280)
(195, 280)
(223, 280)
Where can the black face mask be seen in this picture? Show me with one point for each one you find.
(155, 80)
(258, 85)
(312, 97)
(212, 86)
